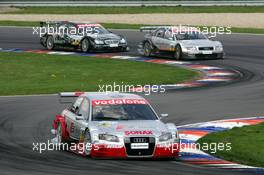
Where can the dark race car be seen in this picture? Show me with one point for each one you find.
(80, 36)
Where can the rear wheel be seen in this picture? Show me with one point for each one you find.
(178, 53)
(147, 49)
(50, 43)
(85, 45)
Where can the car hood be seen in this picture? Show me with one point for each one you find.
(132, 128)
(200, 43)
(106, 36)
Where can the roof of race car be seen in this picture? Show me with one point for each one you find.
(75, 23)
(110, 95)
(174, 29)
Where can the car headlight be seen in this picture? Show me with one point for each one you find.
(190, 48)
(219, 48)
(165, 137)
(108, 137)
(98, 41)
(123, 41)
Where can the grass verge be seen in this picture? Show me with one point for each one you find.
(27, 73)
(137, 10)
(123, 26)
(247, 144)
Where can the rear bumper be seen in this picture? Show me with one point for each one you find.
(104, 151)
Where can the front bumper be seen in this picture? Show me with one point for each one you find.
(103, 47)
(201, 55)
(109, 151)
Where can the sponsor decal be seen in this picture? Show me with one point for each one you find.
(119, 102)
(139, 146)
(105, 124)
(145, 132)
(120, 127)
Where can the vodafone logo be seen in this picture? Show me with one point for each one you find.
(147, 132)
(119, 102)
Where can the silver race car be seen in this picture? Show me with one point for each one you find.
(181, 42)
(84, 36)
(115, 125)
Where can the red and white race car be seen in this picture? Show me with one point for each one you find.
(115, 125)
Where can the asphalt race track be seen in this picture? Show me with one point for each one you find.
(24, 120)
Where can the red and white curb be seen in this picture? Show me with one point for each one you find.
(210, 75)
(189, 134)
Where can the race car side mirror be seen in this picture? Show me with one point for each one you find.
(79, 117)
(211, 37)
(162, 116)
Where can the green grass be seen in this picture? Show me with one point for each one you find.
(123, 26)
(27, 73)
(136, 10)
(20, 23)
(247, 144)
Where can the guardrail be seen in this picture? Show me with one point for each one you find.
(135, 3)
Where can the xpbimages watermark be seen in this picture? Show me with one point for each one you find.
(122, 87)
(81, 148)
(81, 30)
(87, 29)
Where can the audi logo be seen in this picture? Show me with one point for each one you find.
(139, 140)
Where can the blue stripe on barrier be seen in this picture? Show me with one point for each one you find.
(186, 156)
(140, 59)
(13, 50)
(207, 129)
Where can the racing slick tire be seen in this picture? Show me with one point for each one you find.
(50, 43)
(147, 49)
(178, 53)
(87, 143)
(85, 45)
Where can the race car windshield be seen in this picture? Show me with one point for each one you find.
(123, 112)
(190, 36)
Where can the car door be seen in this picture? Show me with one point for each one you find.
(70, 118)
(169, 41)
(83, 117)
(62, 34)
(157, 38)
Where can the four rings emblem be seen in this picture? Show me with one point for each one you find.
(139, 140)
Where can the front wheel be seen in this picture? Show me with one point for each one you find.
(50, 43)
(87, 143)
(85, 45)
(178, 53)
(59, 136)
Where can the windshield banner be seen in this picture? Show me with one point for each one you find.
(119, 102)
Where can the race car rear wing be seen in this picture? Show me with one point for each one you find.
(44, 23)
(68, 97)
(150, 28)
